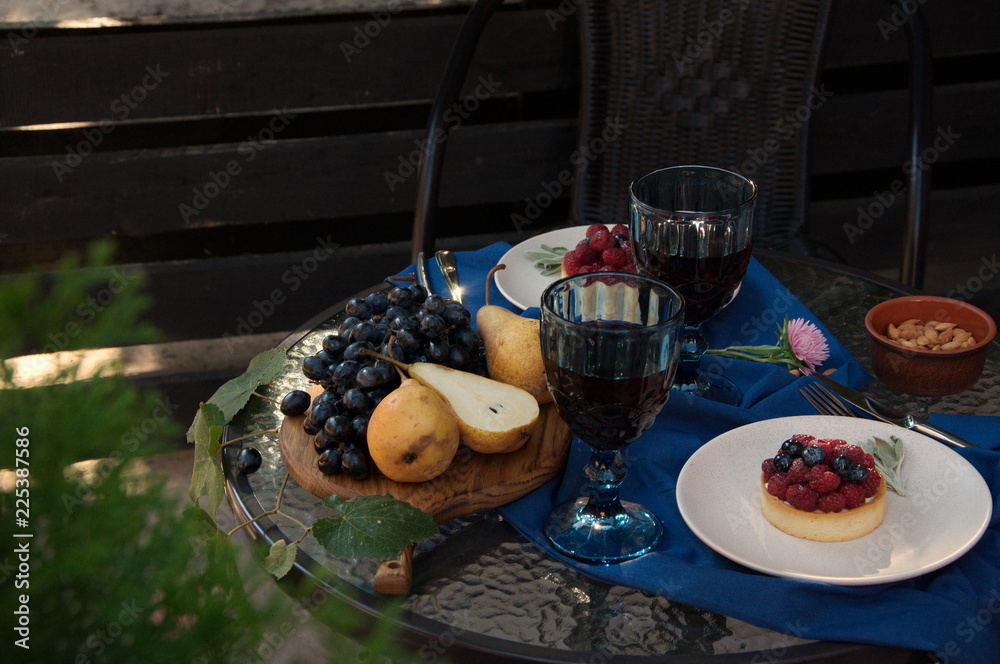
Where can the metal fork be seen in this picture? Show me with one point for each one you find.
(825, 401)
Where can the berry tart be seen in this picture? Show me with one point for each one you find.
(824, 490)
(602, 250)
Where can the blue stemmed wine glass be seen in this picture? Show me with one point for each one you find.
(610, 344)
(692, 227)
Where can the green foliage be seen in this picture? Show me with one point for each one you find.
(372, 526)
(121, 570)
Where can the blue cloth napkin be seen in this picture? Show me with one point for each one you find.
(954, 612)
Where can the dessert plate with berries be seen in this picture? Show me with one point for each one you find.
(722, 494)
(534, 264)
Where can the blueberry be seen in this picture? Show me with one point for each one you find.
(792, 448)
(782, 462)
(248, 461)
(855, 473)
(813, 455)
(841, 464)
(294, 403)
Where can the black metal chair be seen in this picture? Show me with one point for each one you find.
(722, 82)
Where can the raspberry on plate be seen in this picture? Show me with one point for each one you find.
(802, 497)
(602, 240)
(572, 263)
(871, 484)
(853, 494)
(831, 502)
(824, 481)
(777, 486)
(615, 257)
(620, 229)
(585, 253)
(593, 228)
(767, 467)
(798, 471)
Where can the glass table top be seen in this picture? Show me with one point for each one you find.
(484, 587)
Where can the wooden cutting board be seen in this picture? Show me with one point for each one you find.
(474, 482)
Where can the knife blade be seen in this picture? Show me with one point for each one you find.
(891, 414)
(449, 270)
(422, 272)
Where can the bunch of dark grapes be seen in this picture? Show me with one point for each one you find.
(404, 323)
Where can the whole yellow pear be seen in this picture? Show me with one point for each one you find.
(412, 434)
(513, 347)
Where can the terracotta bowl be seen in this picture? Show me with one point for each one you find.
(920, 371)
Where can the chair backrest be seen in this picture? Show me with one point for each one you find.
(727, 83)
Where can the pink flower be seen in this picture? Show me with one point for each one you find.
(807, 343)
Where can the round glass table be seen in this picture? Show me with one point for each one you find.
(481, 590)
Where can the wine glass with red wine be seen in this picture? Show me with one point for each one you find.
(610, 344)
(692, 227)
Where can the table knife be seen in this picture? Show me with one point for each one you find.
(449, 269)
(891, 414)
(422, 272)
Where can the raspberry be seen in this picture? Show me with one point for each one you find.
(853, 452)
(629, 267)
(767, 467)
(593, 267)
(853, 494)
(821, 466)
(602, 240)
(620, 229)
(777, 486)
(804, 438)
(593, 228)
(871, 484)
(823, 481)
(831, 502)
(585, 253)
(571, 263)
(802, 497)
(798, 472)
(869, 462)
(614, 258)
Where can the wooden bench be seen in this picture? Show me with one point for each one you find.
(260, 170)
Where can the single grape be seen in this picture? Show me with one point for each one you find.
(437, 350)
(314, 368)
(385, 371)
(353, 352)
(355, 464)
(433, 326)
(419, 292)
(356, 400)
(358, 307)
(326, 396)
(330, 461)
(376, 396)
(458, 357)
(347, 324)
(411, 340)
(468, 338)
(392, 313)
(455, 315)
(311, 426)
(327, 357)
(294, 403)
(334, 344)
(396, 352)
(435, 304)
(248, 460)
(399, 297)
(338, 428)
(378, 301)
(323, 440)
(322, 412)
(359, 427)
(368, 378)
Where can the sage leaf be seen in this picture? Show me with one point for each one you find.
(547, 259)
(234, 393)
(378, 527)
(888, 460)
(280, 558)
(207, 478)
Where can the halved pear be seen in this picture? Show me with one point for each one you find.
(492, 416)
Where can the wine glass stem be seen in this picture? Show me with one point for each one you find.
(693, 346)
(605, 473)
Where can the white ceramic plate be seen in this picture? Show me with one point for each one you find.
(521, 283)
(946, 510)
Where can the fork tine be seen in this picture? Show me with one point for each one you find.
(826, 402)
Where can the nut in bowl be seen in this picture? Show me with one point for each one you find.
(917, 368)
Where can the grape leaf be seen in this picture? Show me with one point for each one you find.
(207, 478)
(234, 393)
(281, 558)
(377, 527)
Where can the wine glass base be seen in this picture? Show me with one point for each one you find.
(592, 537)
(711, 386)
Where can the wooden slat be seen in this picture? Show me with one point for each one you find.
(249, 68)
(142, 192)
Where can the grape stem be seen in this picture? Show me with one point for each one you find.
(274, 401)
(402, 366)
(249, 435)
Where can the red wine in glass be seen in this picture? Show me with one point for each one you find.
(706, 282)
